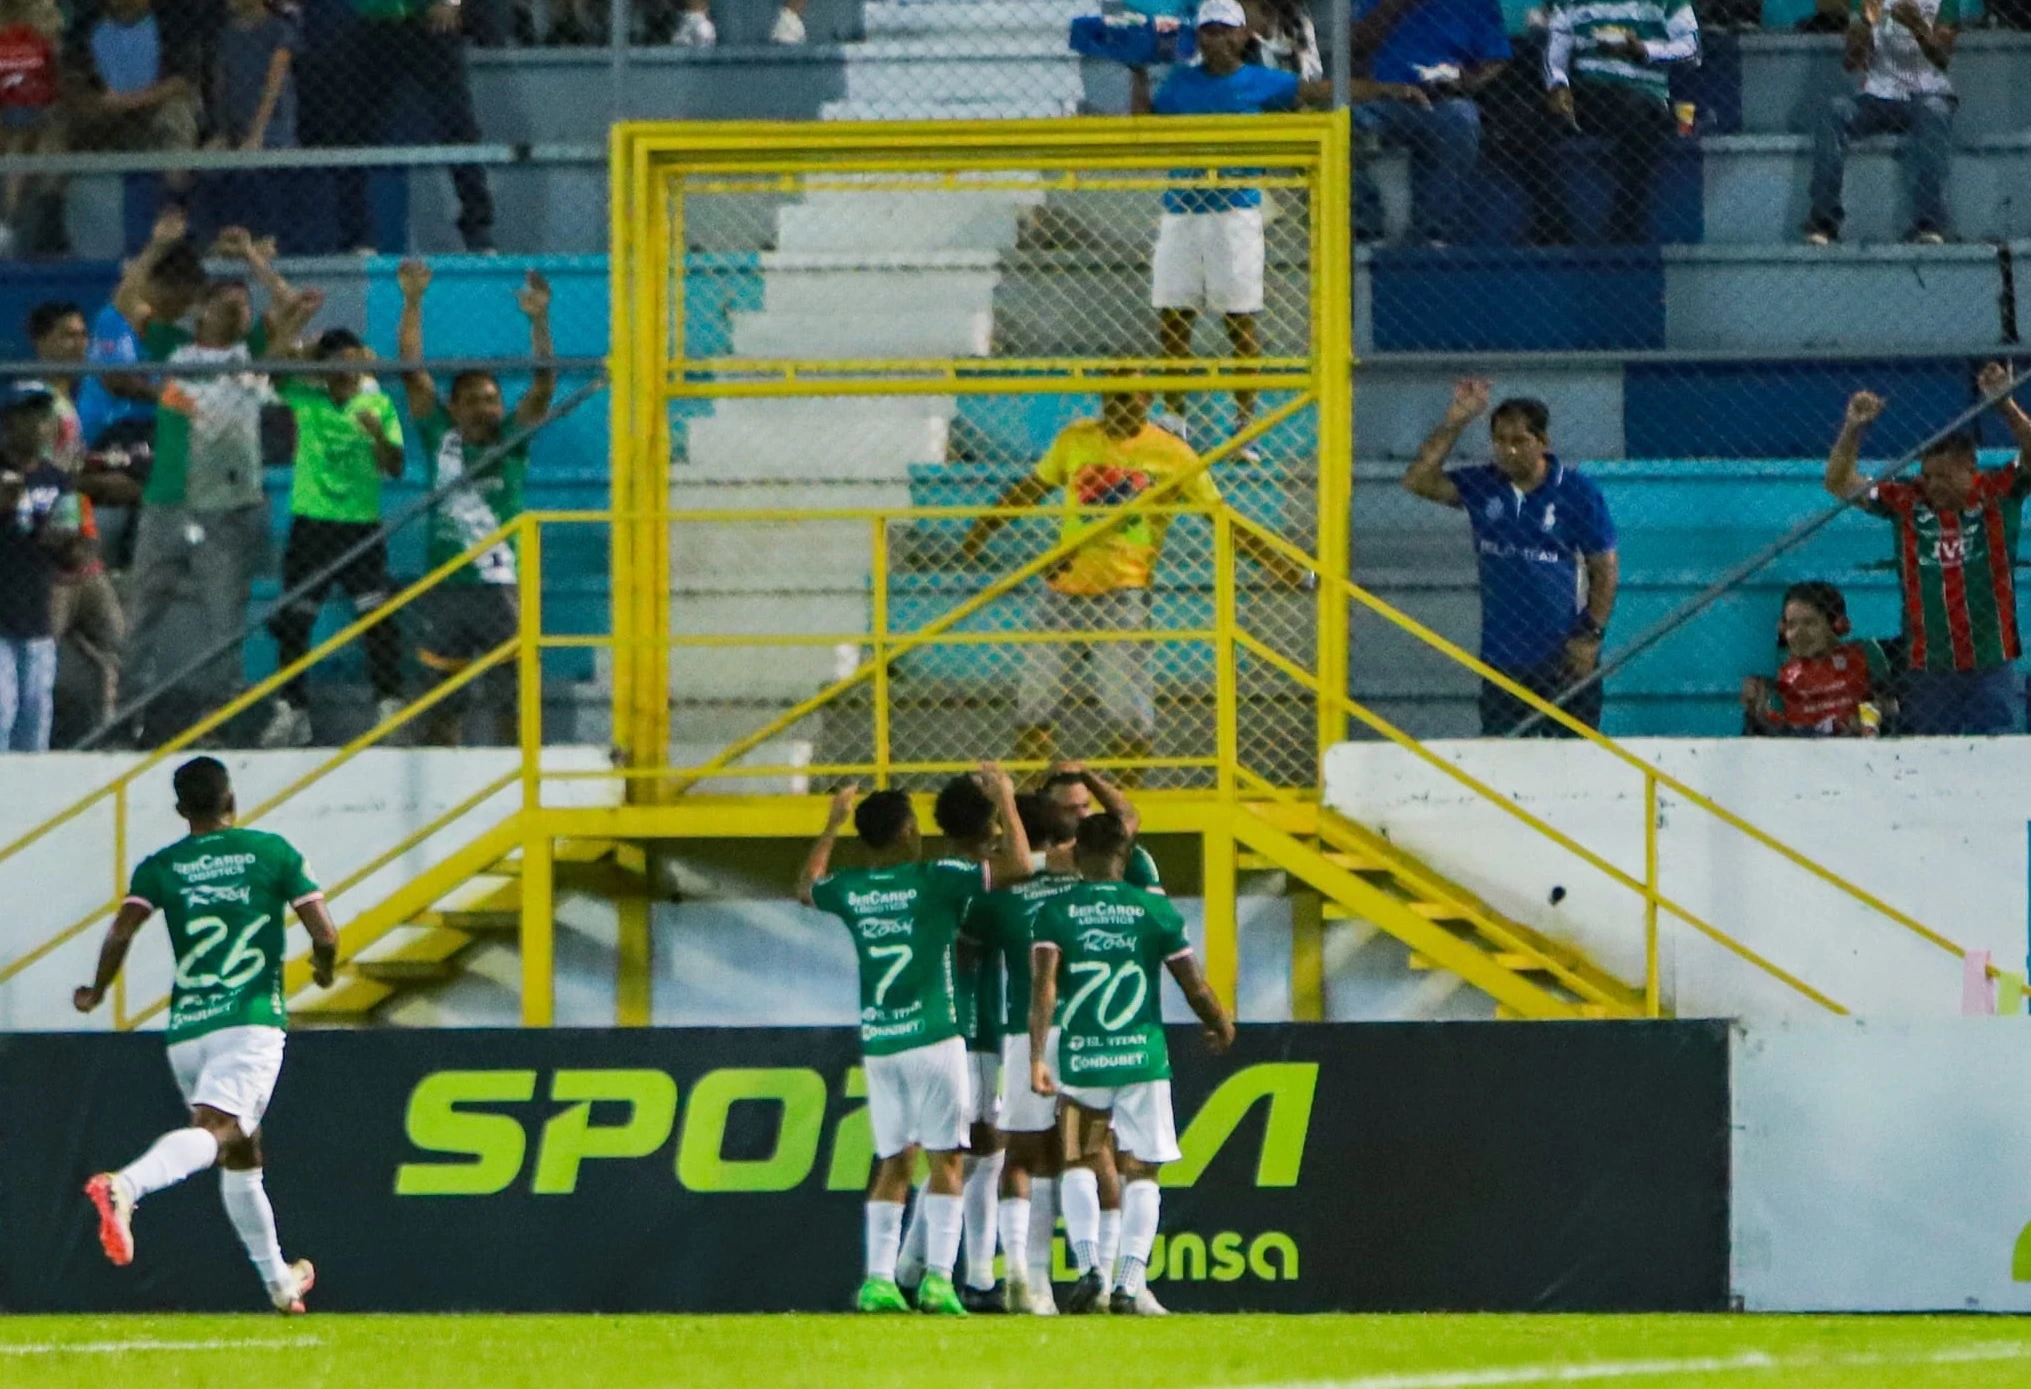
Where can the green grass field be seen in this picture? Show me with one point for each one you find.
(1403, 1352)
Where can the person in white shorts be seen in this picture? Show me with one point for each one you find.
(1101, 947)
(1000, 925)
(1210, 254)
(225, 893)
(904, 917)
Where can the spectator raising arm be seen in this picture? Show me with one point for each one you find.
(1426, 476)
(130, 297)
(1995, 381)
(1843, 466)
(414, 278)
(534, 298)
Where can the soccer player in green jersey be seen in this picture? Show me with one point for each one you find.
(223, 892)
(1082, 792)
(476, 610)
(904, 917)
(1002, 924)
(1100, 947)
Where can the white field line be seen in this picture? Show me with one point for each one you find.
(1496, 1376)
(178, 1347)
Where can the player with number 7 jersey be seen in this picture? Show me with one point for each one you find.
(225, 893)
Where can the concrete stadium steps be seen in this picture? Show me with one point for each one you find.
(779, 674)
(1755, 188)
(1096, 302)
(832, 336)
(946, 61)
(843, 221)
(1787, 80)
(851, 282)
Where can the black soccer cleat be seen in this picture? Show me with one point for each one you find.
(992, 1300)
(1088, 1295)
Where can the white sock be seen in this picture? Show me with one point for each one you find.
(1043, 1229)
(246, 1199)
(1139, 1206)
(884, 1235)
(1110, 1243)
(910, 1268)
(1013, 1215)
(1079, 1191)
(983, 1181)
(944, 1217)
(177, 1154)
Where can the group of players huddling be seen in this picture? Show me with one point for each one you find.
(1011, 1020)
(1032, 955)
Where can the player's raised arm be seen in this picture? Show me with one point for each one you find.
(316, 919)
(1184, 967)
(533, 298)
(1111, 798)
(1010, 862)
(1043, 1002)
(819, 862)
(414, 278)
(131, 917)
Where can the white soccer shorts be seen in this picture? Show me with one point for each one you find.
(1023, 1110)
(1144, 1126)
(920, 1096)
(232, 1070)
(984, 1070)
(1209, 260)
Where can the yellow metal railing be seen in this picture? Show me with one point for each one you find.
(1654, 778)
(118, 790)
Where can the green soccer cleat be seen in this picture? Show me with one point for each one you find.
(880, 1295)
(937, 1296)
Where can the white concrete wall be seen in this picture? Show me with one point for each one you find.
(340, 822)
(1935, 827)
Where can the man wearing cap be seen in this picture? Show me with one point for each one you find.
(1209, 253)
(38, 539)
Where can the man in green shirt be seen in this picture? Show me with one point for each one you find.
(204, 525)
(477, 609)
(1102, 948)
(348, 439)
(1084, 793)
(224, 892)
(1002, 925)
(904, 917)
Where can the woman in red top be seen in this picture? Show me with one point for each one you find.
(1827, 687)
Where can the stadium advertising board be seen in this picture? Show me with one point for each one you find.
(1396, 1166)
(1880, 1167)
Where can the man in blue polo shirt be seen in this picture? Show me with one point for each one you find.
(1546, 546)
(1447, 50)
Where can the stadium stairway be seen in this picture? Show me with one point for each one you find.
(948, 60)
(1365, 880)
(442, 922)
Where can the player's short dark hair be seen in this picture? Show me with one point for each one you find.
(332, 341)
(224, 284)
(1961, 443)
(881, 819)
(1058, 779)
(1103, 837)
(963, 811)
(43, 318)
(469, 377)
(179, 266)
(1045, 822)
(1534, 414)
(202, 788)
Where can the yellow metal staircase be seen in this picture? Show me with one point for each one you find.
(1362, 876)
(418, 936)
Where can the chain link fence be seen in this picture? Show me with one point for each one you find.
(1106, 652)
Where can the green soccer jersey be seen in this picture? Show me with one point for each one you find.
(1113, 940)
(470, 514)
(977, 996)
(336, 475)
(207, 428)
(226, 896)
(1142, 871)
(904, 920)
(1004, 923)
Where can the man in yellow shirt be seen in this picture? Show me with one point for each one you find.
(1104, 585)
